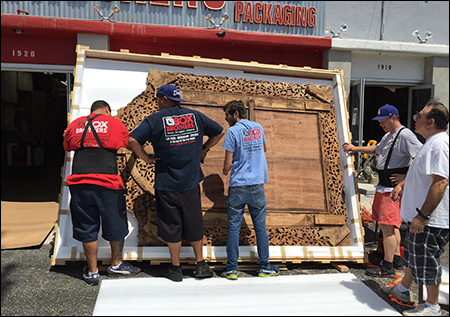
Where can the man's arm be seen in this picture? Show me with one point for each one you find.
(435, 194)
(214, 140)
(350, 148)
(434, 197)
(209, 144)
(397, 190)
(136, 147)
(228, 162)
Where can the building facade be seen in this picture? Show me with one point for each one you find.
(381, 59)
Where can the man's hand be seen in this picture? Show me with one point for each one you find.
(397, 178)
(150, 158)
(204, 152)
(394, 194)
(350, 148)
(417, 224)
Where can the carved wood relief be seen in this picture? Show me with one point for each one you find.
(305, 203)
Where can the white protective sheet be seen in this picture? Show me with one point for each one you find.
(340, 294)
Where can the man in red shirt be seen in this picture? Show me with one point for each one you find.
(96, 189)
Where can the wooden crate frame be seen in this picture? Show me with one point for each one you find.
(125, 63)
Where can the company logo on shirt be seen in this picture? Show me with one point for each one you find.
(251, 134)
(180, 123)
(99, 126)
(180, 129)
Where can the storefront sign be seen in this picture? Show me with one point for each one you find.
(262, 12)
(269, 13)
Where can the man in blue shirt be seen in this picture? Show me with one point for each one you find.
(176, 134)
(245, 147)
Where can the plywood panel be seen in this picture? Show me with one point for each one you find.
(295, 161)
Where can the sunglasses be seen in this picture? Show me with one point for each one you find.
(417, 116)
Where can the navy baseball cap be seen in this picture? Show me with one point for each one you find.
(169, 91)
(385, 112)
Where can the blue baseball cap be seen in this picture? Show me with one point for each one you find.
(169, 91)
(385, 112)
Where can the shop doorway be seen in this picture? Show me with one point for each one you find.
(366, 98)
(34, 109)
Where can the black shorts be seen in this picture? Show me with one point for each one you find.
(90, 203)
(179, 215)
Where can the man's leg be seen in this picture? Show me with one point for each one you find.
(257, 208)
(407, 278)
(116, 252)
(198, 250)
(90, 250)
(432, 294)
(398, 238)
(235, 208)
(390, 242)
(175, 248)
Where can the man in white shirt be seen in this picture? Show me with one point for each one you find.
(425, 206)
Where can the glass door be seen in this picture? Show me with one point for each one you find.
(418, 97)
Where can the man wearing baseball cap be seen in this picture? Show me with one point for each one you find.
(171, 92)
(395, 151)
(176, 134)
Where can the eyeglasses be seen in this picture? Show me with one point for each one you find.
(417, 116)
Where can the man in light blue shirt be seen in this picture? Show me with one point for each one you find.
(245, 147)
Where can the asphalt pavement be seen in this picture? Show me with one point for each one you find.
(32, 287)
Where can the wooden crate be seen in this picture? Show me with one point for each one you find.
(313, 209)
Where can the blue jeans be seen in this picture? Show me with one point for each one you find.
(254, 197)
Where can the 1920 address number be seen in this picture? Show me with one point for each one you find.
(23, 53)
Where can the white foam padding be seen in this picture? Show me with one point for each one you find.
(340, 294)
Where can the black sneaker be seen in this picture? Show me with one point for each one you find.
(202, 270)
(172, 274)
(91, 278)
(399, 264)
(381, 271)
(124, 269)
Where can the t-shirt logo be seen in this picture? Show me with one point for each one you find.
(99, 126)
(180, 129)
(251, 134)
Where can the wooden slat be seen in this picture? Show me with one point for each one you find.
(340, 267)
(334, 220)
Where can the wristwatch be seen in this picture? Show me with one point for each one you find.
(422, 215)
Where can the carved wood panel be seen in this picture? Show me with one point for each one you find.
(305, 199)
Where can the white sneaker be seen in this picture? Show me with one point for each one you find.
(422, 310)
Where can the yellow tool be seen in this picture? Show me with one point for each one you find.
(371, 142)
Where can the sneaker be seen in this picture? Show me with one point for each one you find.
(124, 269)
(399, 265)
(229, 274)
(172, 274)
(91, 278)
(393, 290)
(270, 270)
(202, 270)
(380, 271)
(422, 310)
